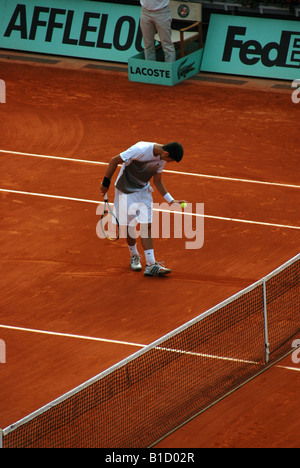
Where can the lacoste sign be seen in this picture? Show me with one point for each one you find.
(253, 46)
(164, 73)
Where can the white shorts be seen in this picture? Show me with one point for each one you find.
(134, 208)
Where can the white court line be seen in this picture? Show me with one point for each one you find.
(206, 176)
(126, 343)
(68, 335)
(297, 369)
(222, 218)
(137, 345)
(59, 158)
(211, 356)
(185, 213)
(46, 195)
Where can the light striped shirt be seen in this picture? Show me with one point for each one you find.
(138, 168)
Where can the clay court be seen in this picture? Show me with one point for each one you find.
(70, 306)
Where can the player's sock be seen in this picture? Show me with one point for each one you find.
(133, 250)
(149, 255)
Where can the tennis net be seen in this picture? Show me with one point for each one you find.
(141, 399)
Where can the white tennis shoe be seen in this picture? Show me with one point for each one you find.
(157, 269)
(135, 263)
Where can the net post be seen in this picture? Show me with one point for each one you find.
(1, 439)
(267, 344)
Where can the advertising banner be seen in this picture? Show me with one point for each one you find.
(74, 28)
(258, 47)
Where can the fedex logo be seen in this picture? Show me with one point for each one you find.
(285, 53)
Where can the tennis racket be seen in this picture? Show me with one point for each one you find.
(109, 222)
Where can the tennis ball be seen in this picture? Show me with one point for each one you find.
(183, 205)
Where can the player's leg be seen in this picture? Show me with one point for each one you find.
(135, 262)
(122, 205)
(153, 268)
(147, 243)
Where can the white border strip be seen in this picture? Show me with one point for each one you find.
(220, 218)
(192, 174)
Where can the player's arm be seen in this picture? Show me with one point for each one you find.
(157, 180)
(112, 166)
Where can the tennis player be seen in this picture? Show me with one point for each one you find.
(133, 195)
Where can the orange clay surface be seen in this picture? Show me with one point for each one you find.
(58, 276)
